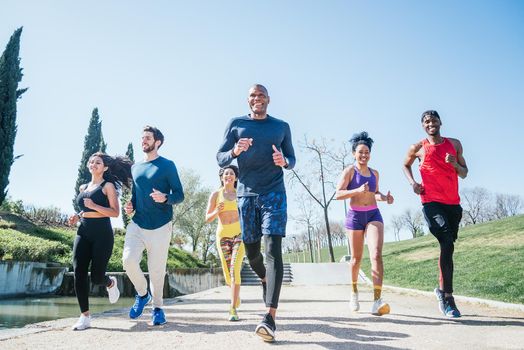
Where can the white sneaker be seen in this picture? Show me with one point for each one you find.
(113, 292)
(353, 302)
(83, 322)
(380, 308)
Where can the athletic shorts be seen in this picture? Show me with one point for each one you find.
(264, 214)
(442, 219)
(359, 219)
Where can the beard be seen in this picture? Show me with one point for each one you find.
(148, 148)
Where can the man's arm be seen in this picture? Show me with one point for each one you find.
(459, 163)
(288, 150)
(225, 152)
(177, 193)
(408, 162)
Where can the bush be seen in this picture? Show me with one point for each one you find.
(22, 247)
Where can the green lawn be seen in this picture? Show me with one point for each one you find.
(23, 240)
(489, 261)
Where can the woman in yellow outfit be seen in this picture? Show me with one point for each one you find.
(223, 204)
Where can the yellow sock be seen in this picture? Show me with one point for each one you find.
(377, 291)
(354, 287)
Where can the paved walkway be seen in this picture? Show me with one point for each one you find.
(310, 317)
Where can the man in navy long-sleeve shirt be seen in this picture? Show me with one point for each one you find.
(156, 187)
(262, 147)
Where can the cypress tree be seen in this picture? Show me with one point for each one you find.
(93, 142)
(126, 193)
(10, 75)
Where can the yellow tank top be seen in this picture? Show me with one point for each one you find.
(230, 230)
(228, 205)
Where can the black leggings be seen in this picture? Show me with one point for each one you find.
(275, 266)
(443, 222)
(93, 245)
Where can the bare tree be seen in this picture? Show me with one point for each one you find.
(316, 181)
(476, 204)
(397, 223)
(412, 220)
(306, 218)
(507, 205)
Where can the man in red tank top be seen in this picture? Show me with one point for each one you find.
(441, 162)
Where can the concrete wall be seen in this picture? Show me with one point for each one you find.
(20, 278)
(177, 282)
(320, 274)
(188, 281)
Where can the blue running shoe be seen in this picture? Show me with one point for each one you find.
(158, 316)
(451, 309)
(440, 298)
(138, 307)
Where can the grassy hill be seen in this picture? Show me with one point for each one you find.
(23, 240)
(489, 261)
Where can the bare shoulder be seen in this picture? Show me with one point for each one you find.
(455, 142)
(82, 188)
(109, 186)
(375, 171)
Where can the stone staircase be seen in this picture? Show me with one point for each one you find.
(250, 278)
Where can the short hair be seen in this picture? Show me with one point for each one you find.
(261, 87)
(361, 138)
(430, 113)
(157, 134)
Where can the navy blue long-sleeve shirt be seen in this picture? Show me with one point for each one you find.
(160, 174)
(258, 174)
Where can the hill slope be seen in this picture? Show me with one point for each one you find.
(23, 240)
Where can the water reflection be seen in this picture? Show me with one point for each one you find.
(16, 313)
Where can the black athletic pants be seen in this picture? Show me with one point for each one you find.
(443, 222)
(93, 245)
(275, 266)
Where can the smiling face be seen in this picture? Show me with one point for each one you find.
(362, 154)
(148, 142)
(431, 125)
(228, 177)
(258, 100)
(96, 165)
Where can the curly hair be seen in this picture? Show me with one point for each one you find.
(118, 169)
(222, 170)
(361, 138)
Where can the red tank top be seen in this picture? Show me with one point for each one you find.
(439, 179)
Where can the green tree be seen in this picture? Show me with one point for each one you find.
(93, 142)
(10, 76)
(126, 193)
(189, 216)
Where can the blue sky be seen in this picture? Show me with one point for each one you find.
(332, 68)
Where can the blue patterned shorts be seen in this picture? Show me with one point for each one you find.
(263, 214)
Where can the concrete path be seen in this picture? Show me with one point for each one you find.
(310, 317)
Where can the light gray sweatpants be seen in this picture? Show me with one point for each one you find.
(156, 243)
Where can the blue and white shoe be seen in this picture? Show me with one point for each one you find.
(138, 307)
(451, 309)
(158, 316)
(440, 298)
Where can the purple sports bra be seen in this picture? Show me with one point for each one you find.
(359, 179)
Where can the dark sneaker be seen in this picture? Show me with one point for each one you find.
(158, 316)
(451, 309)
(264, 288)
(266, 328)
(138, 307)
(440, 298)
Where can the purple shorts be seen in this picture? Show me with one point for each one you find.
(358, 218)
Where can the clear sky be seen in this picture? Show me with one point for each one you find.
(332, 68)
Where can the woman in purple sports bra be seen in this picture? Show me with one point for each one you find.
(359, 184)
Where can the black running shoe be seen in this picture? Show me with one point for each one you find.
(451, 309)
(264, 288)
(266, 328)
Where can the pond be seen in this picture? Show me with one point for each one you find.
(15, 313)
